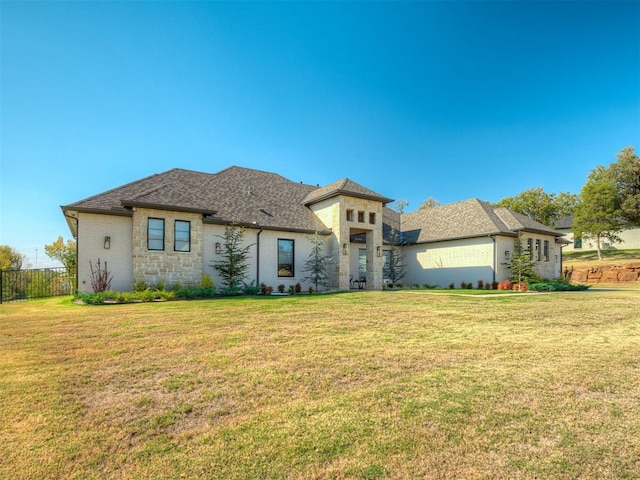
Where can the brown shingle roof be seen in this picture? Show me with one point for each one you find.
(517, 221)
(344, 187)
(470, 218)
(236, 194)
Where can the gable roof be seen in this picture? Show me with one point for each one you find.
(235, 194)
(466, 219)
(469, 218)
(344, 187)
(516, 222)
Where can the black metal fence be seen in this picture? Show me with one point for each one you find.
(36, 283)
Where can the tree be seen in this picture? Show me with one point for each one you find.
(520, 263)
(394, 268)
(535, 203)
(10, 258)
(597, 214)
(429, 203)
(400, 204)
(626, 171)
(65, 253)
(317, 264)
(233, 266)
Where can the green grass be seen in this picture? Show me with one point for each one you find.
(590, 258)
(368, 385)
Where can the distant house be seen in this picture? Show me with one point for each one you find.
(168, 227)
(629, 236)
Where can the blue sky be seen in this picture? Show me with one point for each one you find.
(448, 99)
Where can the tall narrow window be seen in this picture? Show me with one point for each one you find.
(530, 248)
(285, 257)
(577, 242)
(362, 263)
(182, 237)
(538, 250)
(155, 234)
(361, 217)
(372, 218)
(546, 250)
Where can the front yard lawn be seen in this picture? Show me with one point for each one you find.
(396, 385)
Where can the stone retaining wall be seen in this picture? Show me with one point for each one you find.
(629, 272)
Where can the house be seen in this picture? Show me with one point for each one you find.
(629, 237)
(169, 227)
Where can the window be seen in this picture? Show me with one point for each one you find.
(361, 217)
(546, 250)
(155, 234)
(362, 263)
(182, 236)
(530, 248)
(285, 257)
(372, 218)
(577, 242)
(538, 251)
(349, 215)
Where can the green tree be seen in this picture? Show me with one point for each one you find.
(317, 264)
(626, 171)
(521, 264)
(233, 266)
(394, 267)
(598, 215)
(63, 252)
(10, 258)
(535, 203)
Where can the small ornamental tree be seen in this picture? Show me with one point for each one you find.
(317, 265)
(233, 266)
(100, 277)
(521, 264)
(395, 269)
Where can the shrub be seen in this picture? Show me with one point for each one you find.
(161, 285)
(251, 288)
(310, 290)
(281, 288)
(463, 285)
(292, 289)
(298, 288)
(494, 285)
(505, 285)
(469, 286)
(487, 286)
(480, 284)
(268, 290)
(263, 289)
(206, 282)
(520, 287)
(452, 286)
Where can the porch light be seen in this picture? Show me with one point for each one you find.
(107, 243)
(345, 249)
(379, 251)
(507, 254)
(218, 248)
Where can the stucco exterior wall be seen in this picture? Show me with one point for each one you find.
(168, 265)
(92, 230)
(267, 272)
(455, 261)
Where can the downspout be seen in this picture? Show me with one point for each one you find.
(258, 257)
(495, 258)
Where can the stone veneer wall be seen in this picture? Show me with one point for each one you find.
(629, 272)
(168, 265)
